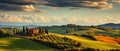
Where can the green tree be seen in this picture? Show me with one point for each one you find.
(70, 30)
(107, 29)
(27, 32)
(43, 30)
(46, 30)
(90, 32)
(1, 33)
(40, 30)
(24, 29)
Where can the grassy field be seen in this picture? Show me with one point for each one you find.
(14, 43)
(91, 43)
(60, 30)
(85, 31)
(114, 33)
(95, 44)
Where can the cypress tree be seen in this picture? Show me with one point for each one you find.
(40, 30)
(27, 31)
(46, 30)
(23, 29)
(43, 30)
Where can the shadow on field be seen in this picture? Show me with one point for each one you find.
(21, 44)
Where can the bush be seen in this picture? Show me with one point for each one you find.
(3, 33)
(89, 36)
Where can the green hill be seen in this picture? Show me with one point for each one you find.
(60, 30)
(55, 40)
(113, 33)
(52, 38)
(15, 43)
(95, 44)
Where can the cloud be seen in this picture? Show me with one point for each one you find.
(27, 19)
(98, 4)
(54, 8)
(20, 2)
(19, 5)
(117, 1)
(58, 20)
(10, 7)
(74, 8)
(9, 18)
(40, 10)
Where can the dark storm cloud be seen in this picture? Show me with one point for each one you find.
(12, 7)
(18, 5)
(26, 5)
(20, 2)
(98, 4)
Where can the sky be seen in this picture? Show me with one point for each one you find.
(59, 12)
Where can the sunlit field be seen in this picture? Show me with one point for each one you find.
(59, 25)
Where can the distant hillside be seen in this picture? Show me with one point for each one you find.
(112, 25)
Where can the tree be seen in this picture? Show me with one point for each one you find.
(107, 29)
(90, 32)
(46, 30)
(40, 30)
(92, 26)
(14, 31)
(1, 33)
(27, 32)
(18, 31)
(70, 30)
(24, 29)
(43, 31)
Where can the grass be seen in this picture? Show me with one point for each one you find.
(114, 33)
(95, 44)
(60, 30)
(91, 43)
(85, 31)
(14, 43)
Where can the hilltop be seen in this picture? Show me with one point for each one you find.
(112, 25)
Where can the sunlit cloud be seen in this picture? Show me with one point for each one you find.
(60, 20)
(54, 8)
(117, 1)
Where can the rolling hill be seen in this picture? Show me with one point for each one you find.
(84, 42)
(95, 44)
(112, 25)
(15, 43)
(113, 33)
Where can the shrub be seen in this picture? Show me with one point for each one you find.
(89, 36)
